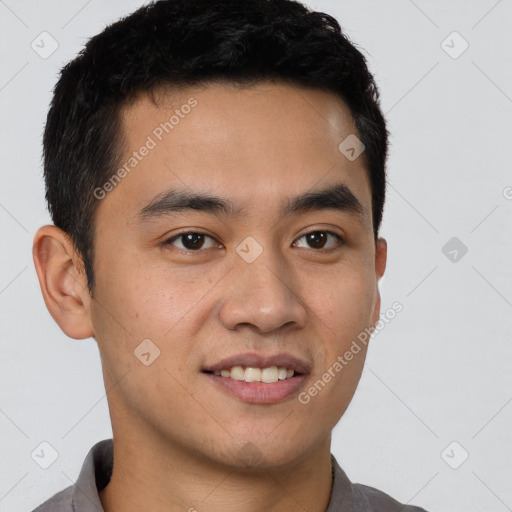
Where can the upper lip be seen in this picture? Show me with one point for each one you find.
(261, 361)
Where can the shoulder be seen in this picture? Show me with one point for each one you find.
(60, 502)
(83, 496)
(373, 500)
(353, 497)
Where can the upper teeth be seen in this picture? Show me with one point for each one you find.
(251, 374)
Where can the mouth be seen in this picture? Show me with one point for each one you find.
(251, 374)
(257, 379)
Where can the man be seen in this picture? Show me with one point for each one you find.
(215, 171)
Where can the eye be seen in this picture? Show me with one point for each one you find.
(191, 241)
(195, 241)
(318, 239)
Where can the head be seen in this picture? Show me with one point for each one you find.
(231, 121)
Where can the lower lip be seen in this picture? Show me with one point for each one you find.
(259, 392)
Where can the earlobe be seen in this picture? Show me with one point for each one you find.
(62, 280)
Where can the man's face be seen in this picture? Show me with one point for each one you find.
(247, 289)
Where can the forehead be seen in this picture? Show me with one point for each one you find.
(254, 144)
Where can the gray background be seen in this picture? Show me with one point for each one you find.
(440, 372)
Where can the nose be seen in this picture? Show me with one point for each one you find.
(261, 294)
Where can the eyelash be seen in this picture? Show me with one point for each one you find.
(169, 241)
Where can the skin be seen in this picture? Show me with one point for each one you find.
(180, 443)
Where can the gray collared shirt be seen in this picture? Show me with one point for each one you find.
(96, 471)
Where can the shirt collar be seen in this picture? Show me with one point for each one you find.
(94, 477)
(341, 494)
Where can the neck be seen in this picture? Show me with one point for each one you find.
(160, 477)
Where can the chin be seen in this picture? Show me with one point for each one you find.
(252, 453)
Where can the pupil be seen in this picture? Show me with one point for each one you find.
(193, 240)
(316, 239)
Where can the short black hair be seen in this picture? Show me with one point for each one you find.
(183, 43)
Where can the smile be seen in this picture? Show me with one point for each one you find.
(251, 374)
(257, 378)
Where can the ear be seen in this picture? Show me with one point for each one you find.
(381, 254)
(63, 282)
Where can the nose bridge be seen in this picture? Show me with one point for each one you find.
(262, 292)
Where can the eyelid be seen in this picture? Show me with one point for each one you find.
(187, 231)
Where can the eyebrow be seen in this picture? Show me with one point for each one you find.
(336, 197)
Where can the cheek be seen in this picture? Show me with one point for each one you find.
(148, 299)
(343, 302)
(153, 303)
